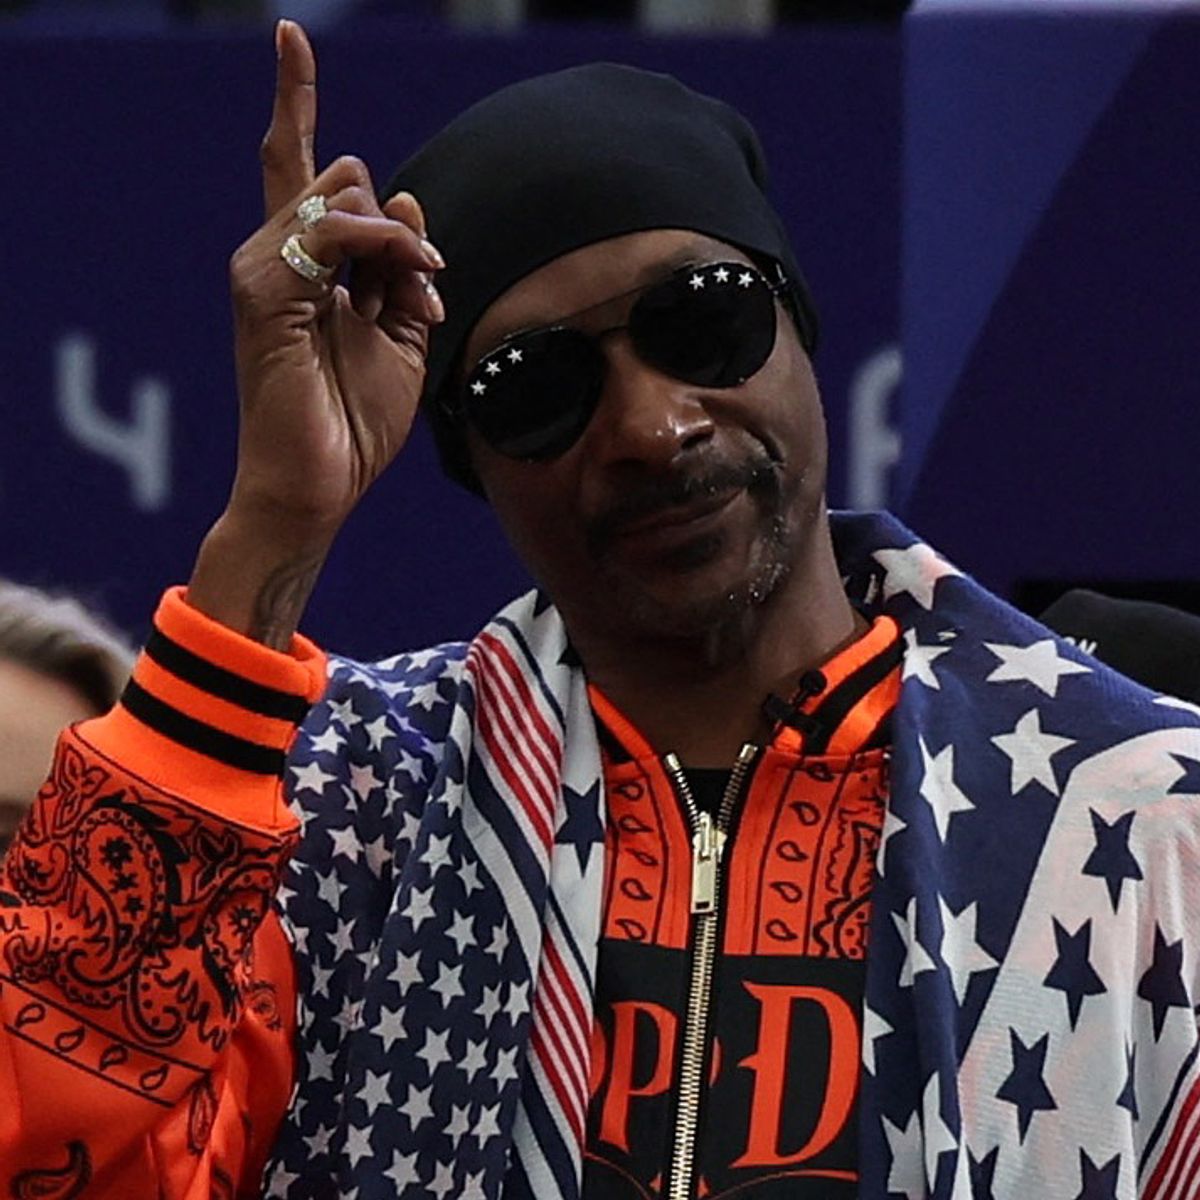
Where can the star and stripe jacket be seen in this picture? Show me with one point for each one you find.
(211, 982)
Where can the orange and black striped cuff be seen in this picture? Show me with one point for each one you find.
(209, 714)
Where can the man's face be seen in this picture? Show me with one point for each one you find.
(680, 507)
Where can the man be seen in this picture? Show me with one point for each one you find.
(582, 907)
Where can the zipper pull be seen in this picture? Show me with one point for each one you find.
(707, 843)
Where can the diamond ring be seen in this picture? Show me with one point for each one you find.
(312, 210)
(294, 254)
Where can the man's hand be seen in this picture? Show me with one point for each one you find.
(328, 376)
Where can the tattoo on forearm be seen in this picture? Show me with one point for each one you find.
(278, 605)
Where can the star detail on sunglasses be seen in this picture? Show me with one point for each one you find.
(515, 356)
(697, 282)
(479, 387)
(745, 279)
(492, 368)
(721, 275)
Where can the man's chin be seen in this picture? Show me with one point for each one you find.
(678, 604)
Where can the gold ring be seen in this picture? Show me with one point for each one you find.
(312, 210)
(294, 254)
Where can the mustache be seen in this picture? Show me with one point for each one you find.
(647, 497)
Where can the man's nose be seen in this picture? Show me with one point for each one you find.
(645, 416)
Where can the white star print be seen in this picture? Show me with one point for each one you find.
(499, 942)
(420, 907)
(697, 282)
(320, 1063)
(321, 978)
(721, 275)
(473, 1187)
(390, 1029)
(518, 1000)
(406, 972)
(345, 843)
(937, 1136)
(506, 1066)
(460, 932)
(1038, 664)
(490, 1005)
(1030, 751)
(403, 1170)
(318, 1141)
(449, 983)
(326, 742)
(906, 1174)
(515, 356)
(438, 854)
(411, 766)
(492, 368)
(436, 1049)
(374, 1092)
(377, 854)
(363, 780)
(479, 387)
(474, 1060)
(442, 1183)
(343, 712)
(412, 826)
(919, 660)
(458, 1123)
(427, 695)
(489, 1123)
(938, 788)
(916, 957)
(310, 778)
(329, 890)
(282, 1179)
(916, 570)
(745, 279)
(874, 1027)
(378, 733)
(470, 878)
(1175, 702)
(892, 825)
(960, 951)
(343, 937)
(417, 1107)
(358, 1144)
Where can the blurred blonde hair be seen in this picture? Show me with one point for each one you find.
(57, 636)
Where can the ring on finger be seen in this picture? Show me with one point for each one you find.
(312, 210)
(294, 254)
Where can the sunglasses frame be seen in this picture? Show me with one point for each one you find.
(488, 363)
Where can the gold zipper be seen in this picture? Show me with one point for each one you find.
(708, 844)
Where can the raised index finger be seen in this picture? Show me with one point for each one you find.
(287, 149)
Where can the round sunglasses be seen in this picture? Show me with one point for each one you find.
(712, 325)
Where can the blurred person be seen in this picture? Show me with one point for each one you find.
(59, 664)
(758, 851)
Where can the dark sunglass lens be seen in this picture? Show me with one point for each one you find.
(713, 326)
(533, 396)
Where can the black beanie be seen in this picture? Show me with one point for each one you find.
(560, 161)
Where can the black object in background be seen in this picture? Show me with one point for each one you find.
(1154, 644)
(785, 10)
(841, 10)
(582, 10)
